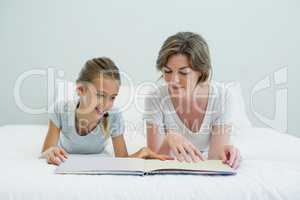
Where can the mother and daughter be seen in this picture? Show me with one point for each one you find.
(186, 118)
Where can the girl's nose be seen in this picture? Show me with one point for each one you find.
(108, 104)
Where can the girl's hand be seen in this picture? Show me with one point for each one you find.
(147, 153)
(55, 155)
(231, 156)
(184, 150)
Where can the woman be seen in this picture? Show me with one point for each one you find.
(190, 115)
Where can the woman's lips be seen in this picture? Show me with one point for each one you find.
(176, 87)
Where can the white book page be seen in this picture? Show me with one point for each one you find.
(207, 165)
(95, 164)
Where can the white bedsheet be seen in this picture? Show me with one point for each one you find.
(270, 170)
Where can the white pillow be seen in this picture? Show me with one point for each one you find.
(22, 141)
(239, 115)
(239, 118)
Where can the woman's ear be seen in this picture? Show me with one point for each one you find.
(80, 89)
(199, 78)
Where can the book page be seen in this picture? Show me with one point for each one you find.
(207, 165)
(93, 164)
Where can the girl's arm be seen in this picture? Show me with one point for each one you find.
(50, 151)
(119, 145)
(52, 136)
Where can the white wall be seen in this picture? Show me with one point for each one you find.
(249, 41)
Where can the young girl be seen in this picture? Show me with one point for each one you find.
(83, 127)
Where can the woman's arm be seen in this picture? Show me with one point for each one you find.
(220, 148)
(219, 138)
(155, 141)
(171, 141)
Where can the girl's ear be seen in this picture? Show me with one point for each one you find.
(80, 89)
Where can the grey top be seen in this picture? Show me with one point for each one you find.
(63, 116)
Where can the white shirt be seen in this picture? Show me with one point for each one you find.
(160, 110)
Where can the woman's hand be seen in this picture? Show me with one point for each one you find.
(147, 153)
(55, 155)
(183, 149)
(231, 156)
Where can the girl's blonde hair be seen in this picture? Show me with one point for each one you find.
(193, 46)
(95, 68)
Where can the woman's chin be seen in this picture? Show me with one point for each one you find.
(177, 91)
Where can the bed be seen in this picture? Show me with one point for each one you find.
(270, 170)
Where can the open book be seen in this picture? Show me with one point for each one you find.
(82, 164)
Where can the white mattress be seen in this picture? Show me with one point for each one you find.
(270, 170)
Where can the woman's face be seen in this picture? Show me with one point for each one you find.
(179, 75)
(100, 95)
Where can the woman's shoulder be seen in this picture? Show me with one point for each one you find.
(219, 94)
(220, 91)
(156, 98)
(158, 92)
(218, 88)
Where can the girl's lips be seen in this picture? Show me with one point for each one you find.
(99, 112)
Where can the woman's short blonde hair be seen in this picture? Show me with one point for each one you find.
(193, 46)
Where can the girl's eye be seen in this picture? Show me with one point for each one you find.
(113, 98)
(100, 95)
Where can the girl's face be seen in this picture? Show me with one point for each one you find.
(178, 74)
(99, 96)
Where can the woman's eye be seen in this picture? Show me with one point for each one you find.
(183, 73)
(113, 98)
(167, 71)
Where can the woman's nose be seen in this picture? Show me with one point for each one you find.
(175, 78)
